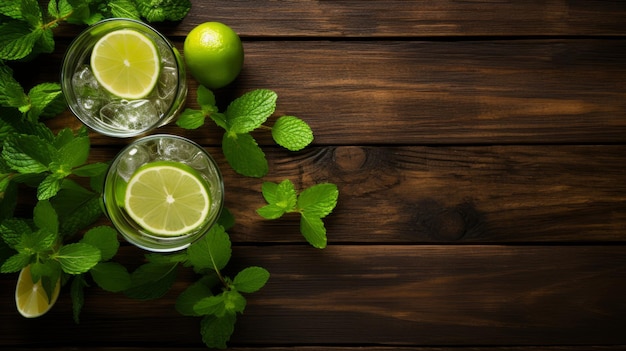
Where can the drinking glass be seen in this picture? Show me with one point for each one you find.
(160, 147)
(111, 115)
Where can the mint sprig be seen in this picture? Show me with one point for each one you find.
(244, 115)
(312, 204)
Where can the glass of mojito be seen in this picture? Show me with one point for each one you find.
(163, 192)
(122, 78)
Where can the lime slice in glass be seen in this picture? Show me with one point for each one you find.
(126, 63)
(167, 198)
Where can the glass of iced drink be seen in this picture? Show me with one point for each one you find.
(122, 78)
(163, 192)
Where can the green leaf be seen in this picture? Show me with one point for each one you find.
(40, 97)
(210, 305)
(53, 9)
(31, 12)
(77, 258)
(65, 8)
(318, 200)
(12, 9)
(282, 194)
(124, 9)
(15, 263)
(216, 331)
(37, 241)
(206, 100)
(163, 10)
(313, 230)
(91, 170)
(250, 111)
(192, 295)
(28, 153)
(74, 153)
(151, 280)
(111, 276)
(191, 119)
(292, 133)
(251, 279)
(212, 251)
(105, 239)
(77, 293)
(17, 39)
(49, 187)
(45, 217)
(11, 92)
(220, 120)
(244, 155)
(234, 302)
(8, 198)
(271, 211)
(226, 219)
(12, 230)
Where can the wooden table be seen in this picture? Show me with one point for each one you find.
(479, 149)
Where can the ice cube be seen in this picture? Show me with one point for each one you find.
(175, 150)
(89, 94)
(167, 84)
(130, 115)
(132, 159)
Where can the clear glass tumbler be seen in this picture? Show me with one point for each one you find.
(140, 154)
(111, 115)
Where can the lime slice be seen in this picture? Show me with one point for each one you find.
(126, 63)
(167, 198)
(30, 298)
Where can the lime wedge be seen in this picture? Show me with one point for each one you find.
(167, 198)
(30, 298)
(126, 63)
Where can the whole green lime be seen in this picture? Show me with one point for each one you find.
(214, 54)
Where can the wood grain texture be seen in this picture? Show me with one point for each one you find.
(427, 93)
(411, 295)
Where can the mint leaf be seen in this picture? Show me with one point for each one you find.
(124, 9)
(206, 100)
(77, 293)
(77, 258)
(162, 10)
(91, 170)
(151, 280)
(12, 9)
(105, 239)
(191, 119)
(12, 230)
(74, 153)
(212, 251)
(111, 276)
(37, 241)
(282, 194)
(234, 302)
(250, 111)
(244, 155)
(15, 263)
(27, 153)
(318, 200)
(271, 211)
(31, 12)
(49, 272)
(210, 305)
(219, 119)
(251, 279)
(292, 133)
(216, 331)
(17, 39)
(191, 296)
(11, 92)
(49, 186)
(226, 219)
(40, 97)
(313, 230)
(45, 217)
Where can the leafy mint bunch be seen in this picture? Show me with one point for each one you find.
(244, 115)
(214, 297)
(38, 244)
(26, 28)
(312, 204)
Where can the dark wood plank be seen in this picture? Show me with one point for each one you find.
(402, 18)
(443, 194)
(475, 92)
(402, 295)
